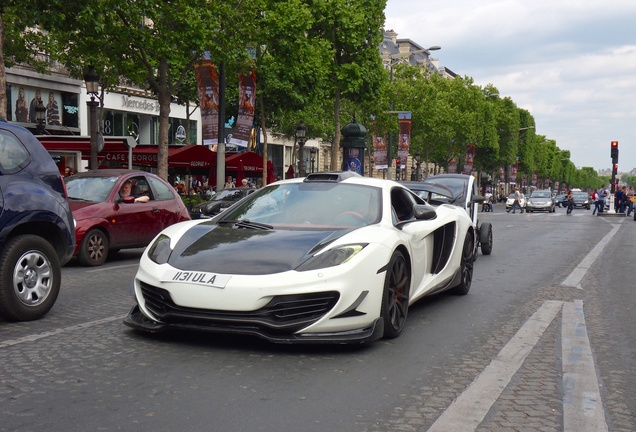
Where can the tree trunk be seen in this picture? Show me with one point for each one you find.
(163, 94)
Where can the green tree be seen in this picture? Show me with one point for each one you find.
(353, 30)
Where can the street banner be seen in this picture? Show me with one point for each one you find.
(502, 174)
(247, 102)
(404, 140)
(379, 148)
(470, 159)
(452, 166)
(534, 178)
(208, 86)
(512, 178)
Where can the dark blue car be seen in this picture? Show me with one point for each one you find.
(37, 233)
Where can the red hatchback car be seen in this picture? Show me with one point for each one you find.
(107, 222)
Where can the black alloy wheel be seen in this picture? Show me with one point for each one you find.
(467, 263)
(395, 299)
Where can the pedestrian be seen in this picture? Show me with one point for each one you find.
(629, 200)
(244, 183)
(229, 183)
(596, 201)
(570, 199)
(602, 194)
(618, 200)
(516, 203)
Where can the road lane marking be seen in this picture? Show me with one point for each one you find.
(34, 337)
(577, 275)
(469, 409)
(582, 403)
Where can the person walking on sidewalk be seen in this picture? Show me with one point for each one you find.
(601, 199)
(516, 203)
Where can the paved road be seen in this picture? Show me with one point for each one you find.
(544, 341)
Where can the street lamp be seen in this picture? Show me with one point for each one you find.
(389, 147)
(301, 139)
(91, 79)
(418, 169)
(40, 111)
(313, 152)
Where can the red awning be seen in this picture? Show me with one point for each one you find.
(246, 162)
(191, 156)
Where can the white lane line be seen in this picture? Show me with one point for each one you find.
(107, 269)
(582, 404)
(34, 337)
(469, 409)
(577, 275)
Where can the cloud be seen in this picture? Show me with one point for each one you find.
(571, 64)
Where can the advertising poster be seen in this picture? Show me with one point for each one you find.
(247, 102)
(404, 138)
(208, 86)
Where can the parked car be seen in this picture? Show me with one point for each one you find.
(37, 235)
(582, 200)
(540, 200)
(460, 190)
(331, 257)
(219, 202)
(511, 199)
(106, 222)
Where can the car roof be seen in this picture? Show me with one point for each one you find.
(110, 172)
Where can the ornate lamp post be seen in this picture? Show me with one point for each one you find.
(301, 139)
(40, 111)
(91, 80)
(313, 152)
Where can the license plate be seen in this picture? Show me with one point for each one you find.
(198, 278)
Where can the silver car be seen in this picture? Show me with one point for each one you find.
(540, 200)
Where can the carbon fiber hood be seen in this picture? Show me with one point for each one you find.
(224, 249)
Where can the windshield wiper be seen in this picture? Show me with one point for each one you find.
(246, 223)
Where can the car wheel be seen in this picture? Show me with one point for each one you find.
(395, 299)
(485, 238)
(94, 249)
(466, 266)
(30, 278)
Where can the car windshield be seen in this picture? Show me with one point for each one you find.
(539, 194)
(456, 184)
(580, 195)
(95, 189)
(317, 205)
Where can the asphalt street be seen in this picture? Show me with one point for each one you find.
(544, 341)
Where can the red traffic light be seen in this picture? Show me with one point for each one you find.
(397, 161)
(614, 144)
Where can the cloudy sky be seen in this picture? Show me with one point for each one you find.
(571, 64)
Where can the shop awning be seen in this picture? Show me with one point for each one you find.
(191, 156)
(245, 162)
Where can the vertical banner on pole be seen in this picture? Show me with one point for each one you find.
(404, 141)
(247, 102)
(470, 159)
(380, 159)
(208, 86)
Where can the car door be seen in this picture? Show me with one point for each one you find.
(166, 202)
(135, 224)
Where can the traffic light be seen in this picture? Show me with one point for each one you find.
(614, 170)
(614, 152)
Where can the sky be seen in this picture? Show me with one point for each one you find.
(571, 64)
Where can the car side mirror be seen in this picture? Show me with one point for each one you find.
(477, 199)
(424, 212)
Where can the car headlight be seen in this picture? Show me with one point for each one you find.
(331, 258)
(160, 250)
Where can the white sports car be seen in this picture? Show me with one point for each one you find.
(332, 257)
